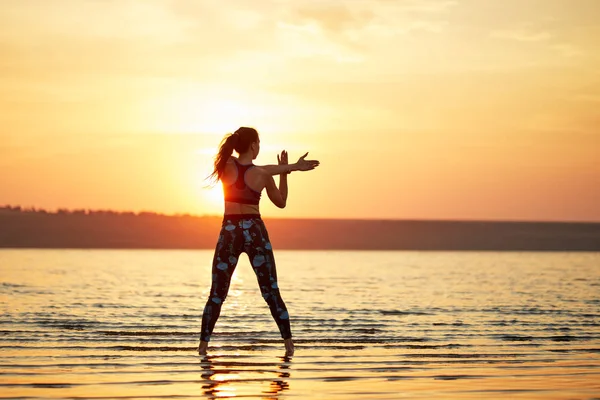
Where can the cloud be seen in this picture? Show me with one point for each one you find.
(522, 35)
(568, 50)
(409, 27)
(333, 18)
(335, 32)
(350, 32)
(428, 6)
(362, 16)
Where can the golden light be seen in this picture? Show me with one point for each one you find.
(217, 116)
(207, 193)
(216, 111)
(214, 196)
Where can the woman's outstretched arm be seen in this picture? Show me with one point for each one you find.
(301, 165)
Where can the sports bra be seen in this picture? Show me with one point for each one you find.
(238, 191)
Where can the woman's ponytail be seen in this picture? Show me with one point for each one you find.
(239, 141)
(228, 145)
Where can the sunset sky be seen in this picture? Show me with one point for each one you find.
(418, 109)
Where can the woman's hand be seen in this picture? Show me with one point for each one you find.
(283, 167)
(306, 165)
(283, 158)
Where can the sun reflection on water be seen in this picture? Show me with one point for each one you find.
(231, 378)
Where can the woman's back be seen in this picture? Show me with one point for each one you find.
(253, 176)
(242, 187)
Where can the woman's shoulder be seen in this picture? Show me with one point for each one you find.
(261, 169)
(230, 171)
(232, 164)
(257, 177)
(264, 175)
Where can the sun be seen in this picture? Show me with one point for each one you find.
(214, 195)
(207, 194)
(210, 110)
(216, 116)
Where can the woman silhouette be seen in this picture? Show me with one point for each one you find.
(243, 230)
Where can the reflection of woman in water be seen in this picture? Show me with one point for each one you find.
(220, 375)
(243, 230)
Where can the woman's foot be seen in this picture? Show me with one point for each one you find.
(289, 347)
(203, 348)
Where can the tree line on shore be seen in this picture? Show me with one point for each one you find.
(29, 227)
(82, 211)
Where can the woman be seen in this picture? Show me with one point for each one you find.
(243, 229)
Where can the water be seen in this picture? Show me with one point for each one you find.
(367, 325)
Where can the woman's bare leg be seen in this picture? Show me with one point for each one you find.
(289, 347)
(203, 348)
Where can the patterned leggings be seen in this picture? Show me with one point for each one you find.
(248, 234)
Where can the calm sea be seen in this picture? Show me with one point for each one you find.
(368, 325)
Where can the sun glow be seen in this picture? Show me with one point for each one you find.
(214, 196)
(212, 111)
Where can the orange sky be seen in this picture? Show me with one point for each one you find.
(466, 109)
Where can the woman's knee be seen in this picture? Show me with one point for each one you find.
(272, 295)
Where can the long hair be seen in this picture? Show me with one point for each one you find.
(239, 141)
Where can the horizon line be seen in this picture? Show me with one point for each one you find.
(88, 211)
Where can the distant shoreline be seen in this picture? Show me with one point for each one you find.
(83, 229)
